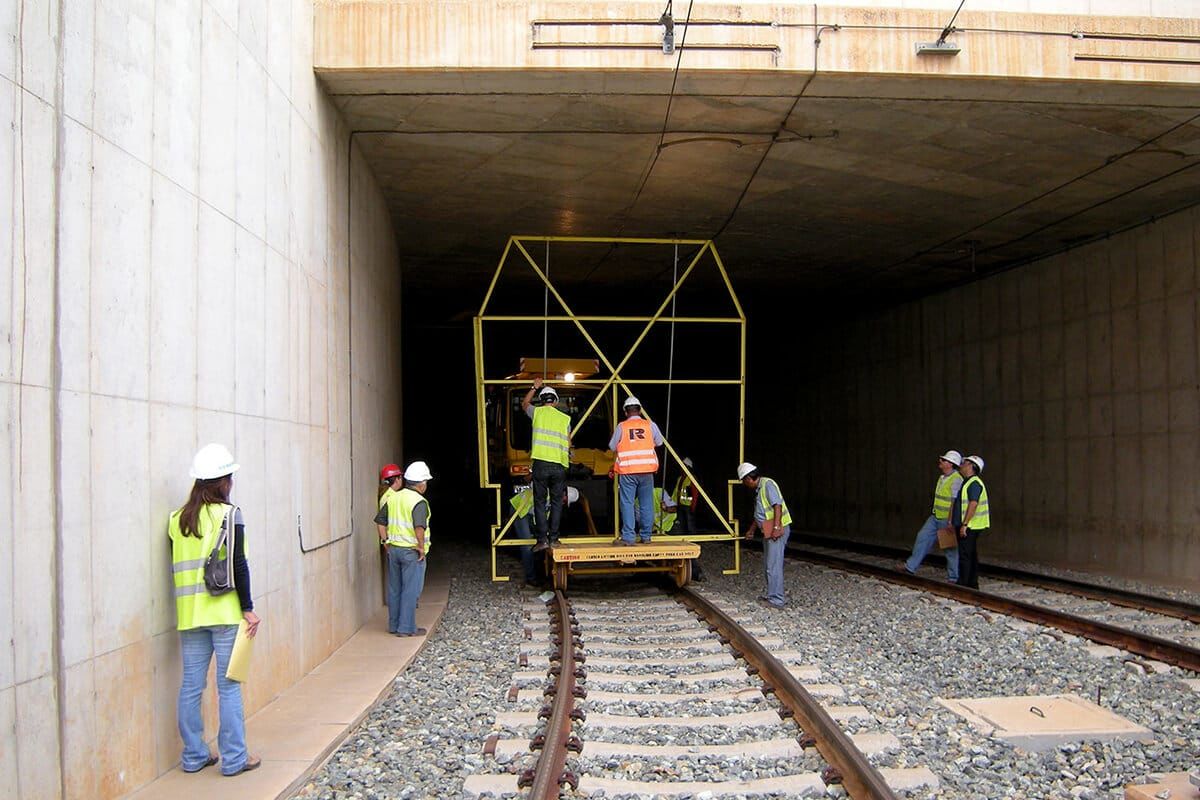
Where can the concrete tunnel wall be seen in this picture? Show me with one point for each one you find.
(177, 273)
(1074, 377)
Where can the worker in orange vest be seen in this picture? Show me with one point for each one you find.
(634, 441)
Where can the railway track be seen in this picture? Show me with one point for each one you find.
(1118, 620)
(1164, 606)
(666, 695)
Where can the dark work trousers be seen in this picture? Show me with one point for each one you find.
(688, 518)
(548, 478)
(968, 558)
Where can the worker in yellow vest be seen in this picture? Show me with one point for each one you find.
(972, 519)
(634, 441)
(550, 454)
(686, 498)
(208, 618)
(771, 516)
(403, 522)
(522, 504)
(945, 495)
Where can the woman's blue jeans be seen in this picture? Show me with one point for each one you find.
(199, 644)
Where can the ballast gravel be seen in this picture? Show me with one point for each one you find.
(894, 651)
(891, 649)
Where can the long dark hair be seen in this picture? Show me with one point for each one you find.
(215, 490)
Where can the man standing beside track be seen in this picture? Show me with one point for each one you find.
(971, 519)
(772, 517)
(550, 454)
(945, 495)
(634, 441)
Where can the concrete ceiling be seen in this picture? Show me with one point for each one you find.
(817, 185)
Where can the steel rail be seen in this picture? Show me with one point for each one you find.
(550, 772)
(860, 778)
(1142, 644)
(1120, 597)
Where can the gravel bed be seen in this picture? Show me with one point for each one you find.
(685, 708)
(675, 735)
(666, 686)
(698, 768)
(427, 736)
(894, 652)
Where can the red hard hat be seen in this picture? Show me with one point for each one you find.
(389, 471)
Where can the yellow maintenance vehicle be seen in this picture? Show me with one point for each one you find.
(509, 430)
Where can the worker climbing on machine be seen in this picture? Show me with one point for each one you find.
(937, 526)
(403, 522)
(771, 516)
(634, 442)
(971, 519)
(522, 504)
(550, 453)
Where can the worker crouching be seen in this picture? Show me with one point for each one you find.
(771, 516)
(403, 522)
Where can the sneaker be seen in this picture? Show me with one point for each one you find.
(417, 632)
(540, 546)
(765, 603)
(646, 541)
(624, 543)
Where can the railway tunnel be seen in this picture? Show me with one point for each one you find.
(272, 224)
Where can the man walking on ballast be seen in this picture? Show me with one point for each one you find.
(945, 495)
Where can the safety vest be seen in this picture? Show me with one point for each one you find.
(522, 502)
(663, 520)
(401, 532)
(194, 606)
(551, 436)
(765, 504)
(683, 491)
(635, 447)
(942, 496)
(982, 519)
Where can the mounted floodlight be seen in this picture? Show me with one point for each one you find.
(941, 47)
(668, 24)
(938, 48)
(569, 377)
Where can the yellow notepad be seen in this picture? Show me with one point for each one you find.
(239, 660)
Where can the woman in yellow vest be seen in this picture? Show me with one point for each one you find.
(209, 623)
(972, 518)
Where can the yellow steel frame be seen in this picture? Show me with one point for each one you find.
(609, 386)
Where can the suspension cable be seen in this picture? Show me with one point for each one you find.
(546, 316)
(671, 361)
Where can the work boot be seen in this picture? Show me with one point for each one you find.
(540, 546)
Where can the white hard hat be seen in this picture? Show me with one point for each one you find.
(417, 472)
(213, 461)
(977, 461)
(632, 401)
(745, 469)
(953, 456)
(572, 495)
(547, 392)
(687, 462)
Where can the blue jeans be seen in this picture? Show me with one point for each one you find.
(406, 579)
(522, 530)
(641, 486)
(926, 541)
(773, 552)
(198, 645)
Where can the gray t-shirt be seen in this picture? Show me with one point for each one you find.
(770, 489)
(420, 515)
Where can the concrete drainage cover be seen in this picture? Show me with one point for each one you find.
(1042, 722)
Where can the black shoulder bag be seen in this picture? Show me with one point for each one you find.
(218, 571)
